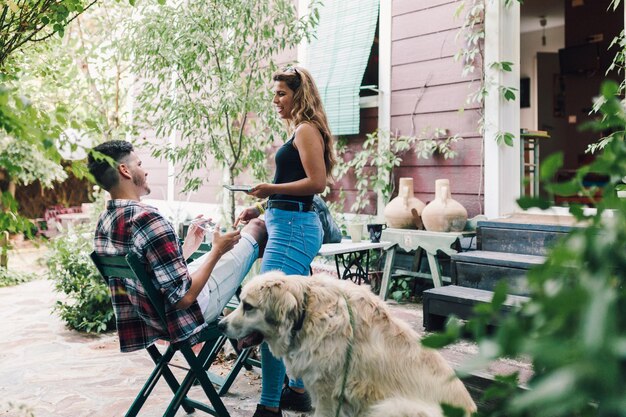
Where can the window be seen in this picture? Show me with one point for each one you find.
(339, 56)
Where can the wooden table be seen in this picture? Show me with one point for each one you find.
(430, 242)
(352, 255)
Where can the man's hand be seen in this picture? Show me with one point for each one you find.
(194, 237)
(222, 243)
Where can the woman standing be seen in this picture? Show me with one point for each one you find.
(303, 165)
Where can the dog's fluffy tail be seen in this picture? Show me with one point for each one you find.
(404, 407)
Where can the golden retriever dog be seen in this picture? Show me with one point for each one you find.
(348, 349)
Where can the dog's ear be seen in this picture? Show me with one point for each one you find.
(283, 303)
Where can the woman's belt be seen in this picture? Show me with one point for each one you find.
(289, 205)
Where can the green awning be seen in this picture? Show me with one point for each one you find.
(338, 56)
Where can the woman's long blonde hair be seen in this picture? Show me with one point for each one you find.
(308, 108)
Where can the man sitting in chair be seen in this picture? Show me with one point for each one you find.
(194, 294)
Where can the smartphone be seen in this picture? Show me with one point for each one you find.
(244, 188)
(204, 224)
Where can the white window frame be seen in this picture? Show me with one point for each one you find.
(384, 85)
(501, 163)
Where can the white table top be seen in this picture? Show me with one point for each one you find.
(347, 246)
(73, 216)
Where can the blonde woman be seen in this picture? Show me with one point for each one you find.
(303, 166)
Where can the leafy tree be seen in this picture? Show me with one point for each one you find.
(206, 76)
(86, 73)
(40, 95)
(24, 22)
(23, 166)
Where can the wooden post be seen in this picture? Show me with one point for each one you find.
(4, 249)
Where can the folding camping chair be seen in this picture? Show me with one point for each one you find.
(131, 267)
(243, 356)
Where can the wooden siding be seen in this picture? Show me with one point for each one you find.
(210, 192)
(462, 123)
(431, 46)
(343, 190)
(424, 21)
(410, 6)
(427, 92)
(156, 168)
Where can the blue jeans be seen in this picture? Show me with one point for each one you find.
(294, 238)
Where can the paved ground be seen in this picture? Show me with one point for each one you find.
(47, 370)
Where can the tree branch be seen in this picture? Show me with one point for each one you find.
(83, 66)
(68, 22)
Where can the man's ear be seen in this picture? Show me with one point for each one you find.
(123, 170)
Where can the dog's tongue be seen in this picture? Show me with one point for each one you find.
(253, 339)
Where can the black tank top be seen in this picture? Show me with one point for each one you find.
(289, 169)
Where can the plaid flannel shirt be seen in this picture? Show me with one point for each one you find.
(126, 226)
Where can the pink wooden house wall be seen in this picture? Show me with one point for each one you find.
(422, 66)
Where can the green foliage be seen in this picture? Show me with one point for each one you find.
(373, 164)
(24, 22)
(10, 220)
(84, 78)
(10, 278)
(48, 87)
(472, 56)
(401, 288)
(88, 303)
(26, 166)
(573, 329)
(505, 138)
(206, 77)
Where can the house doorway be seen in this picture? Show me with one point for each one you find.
(564, 56)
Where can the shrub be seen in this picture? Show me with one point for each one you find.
(574, 327)
(10, 278)
(88, 303)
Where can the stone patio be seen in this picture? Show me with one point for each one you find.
(47, 370)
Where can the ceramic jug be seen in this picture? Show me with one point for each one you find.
(404, 211)
(444, 214)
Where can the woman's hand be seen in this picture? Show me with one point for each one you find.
(262, 190)
(246, 215)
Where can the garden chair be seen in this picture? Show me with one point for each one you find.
(243, 356)
(131, 267)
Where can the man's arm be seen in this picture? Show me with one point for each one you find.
(221, 245)
(155, 239)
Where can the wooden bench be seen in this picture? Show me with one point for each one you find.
(441, 302)
(430, 242)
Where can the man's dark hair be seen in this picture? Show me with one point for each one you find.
(101, 168)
